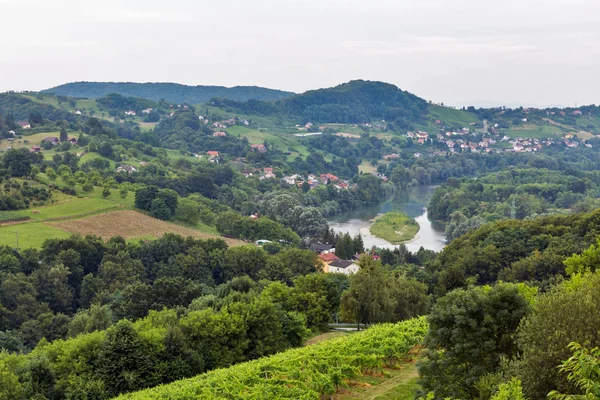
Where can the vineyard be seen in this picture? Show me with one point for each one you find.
(304, 373)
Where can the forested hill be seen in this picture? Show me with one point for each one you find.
(171, 92)
(353, 102)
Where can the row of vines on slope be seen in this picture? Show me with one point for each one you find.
(305, 373)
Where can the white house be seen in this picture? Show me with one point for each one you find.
(343, 267)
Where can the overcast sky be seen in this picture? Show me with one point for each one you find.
(458, 52)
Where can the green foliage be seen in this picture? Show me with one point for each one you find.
(583, 369)
(306, 373)
(375, 295)
(470, 331)
(510, 391)
(395, 227)
(172, 92)
(568, 313)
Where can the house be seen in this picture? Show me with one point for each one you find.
(245, 122)
(130, 113)
(24, 124)
(73, 140)
(50, 139)
(329, 177)
(308, 125)
(325, 259)
(35, 149)
(290, 180)
(258, 147)
(77, 112)
(147, 111)
(220, 133)
(422, 135)
(346, 267)
(213, 156)
(577, 112)
(391, 156)
(219, 125)
(126, 168)
(322, 248)
(262, 242)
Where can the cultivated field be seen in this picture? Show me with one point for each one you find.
(130, 224)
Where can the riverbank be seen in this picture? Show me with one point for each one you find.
(395, 227)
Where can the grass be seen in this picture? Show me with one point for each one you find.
(31, 234)
(452, 116)
(396, 384)
(92, 213)
(395, 227)
(366, 168)
(281, 142)
(93, 155)
(533, 131)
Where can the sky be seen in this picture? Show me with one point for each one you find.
(456, 52)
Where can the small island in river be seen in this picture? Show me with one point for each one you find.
(395, 227)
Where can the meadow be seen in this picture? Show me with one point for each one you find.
(395, 227)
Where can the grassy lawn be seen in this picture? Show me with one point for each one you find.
(31, 234)
(366, 168)
(452, 116)
(281, 142)
(395, 227)
(93, 155)
(534, 131)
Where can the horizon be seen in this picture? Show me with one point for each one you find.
(460, 54)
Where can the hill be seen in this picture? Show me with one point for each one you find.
(349, 103)
(171, 92)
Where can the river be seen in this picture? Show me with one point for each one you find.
(414, 203)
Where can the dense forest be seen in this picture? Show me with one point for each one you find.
(172, 92)
(352, 102)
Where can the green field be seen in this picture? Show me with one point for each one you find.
(31, 234)
(395, 227)
(281, 142)
(452, 116)
(530, 131)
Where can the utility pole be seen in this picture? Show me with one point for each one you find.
(17, 232)
(513, 210)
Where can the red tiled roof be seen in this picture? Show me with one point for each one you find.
(328, 257)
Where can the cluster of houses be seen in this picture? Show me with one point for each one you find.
(330, 263)
(314, 181)
(53, 140)
(458, 142)
(225, 123)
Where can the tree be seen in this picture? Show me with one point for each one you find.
(366, 300)
(569, 313)
(583, 370)
(470, 331)
(17, 162)
(144, 197)
(63, 134)
(160, 210)
(106, 192)
(125, 360)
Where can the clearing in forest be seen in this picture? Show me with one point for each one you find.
(131, 224)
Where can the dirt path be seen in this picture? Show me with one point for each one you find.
(397, 387)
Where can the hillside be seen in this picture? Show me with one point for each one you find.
(312, 372)
(352, 102)
(171, 92)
